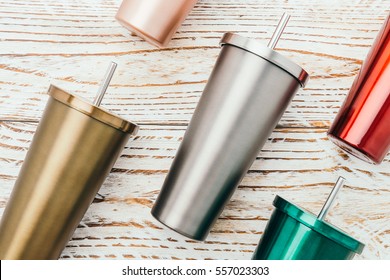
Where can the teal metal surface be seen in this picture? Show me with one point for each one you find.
(295, 234)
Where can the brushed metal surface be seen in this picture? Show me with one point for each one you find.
(156, 21)
(71, 154)
(242, 103)
(272, 56)
(292, 233)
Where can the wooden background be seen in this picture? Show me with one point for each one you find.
(70, 43)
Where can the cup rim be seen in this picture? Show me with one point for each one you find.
(98, 113)
(322, 227)
(253, 46)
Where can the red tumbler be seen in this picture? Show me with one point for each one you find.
(362, 126)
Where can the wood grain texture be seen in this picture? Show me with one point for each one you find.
(70, 43)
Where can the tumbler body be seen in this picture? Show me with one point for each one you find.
(156, 21)
(362, 126)
(242, 102)
(295, 234)
(73, 150)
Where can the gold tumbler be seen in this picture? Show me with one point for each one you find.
(73, 150)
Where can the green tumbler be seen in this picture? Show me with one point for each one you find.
(295, 234)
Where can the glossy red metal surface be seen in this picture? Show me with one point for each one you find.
(362, 126)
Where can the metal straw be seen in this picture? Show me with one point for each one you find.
(278, 31)
(340, 182)
(106, 81)
(98, 99)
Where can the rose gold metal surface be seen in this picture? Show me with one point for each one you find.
(362, 126)
(154, 20)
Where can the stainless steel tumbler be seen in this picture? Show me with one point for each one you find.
(362, 126)
(248, 90)
(73, 150)
(156, 21)
(292, 233)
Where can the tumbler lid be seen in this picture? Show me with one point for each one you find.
(92, 111)
(272, 56)
(320, 226)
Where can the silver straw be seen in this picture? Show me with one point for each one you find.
(340, 182)
(106, 81)
(98, 99)
(278, 31)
